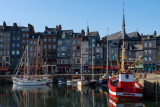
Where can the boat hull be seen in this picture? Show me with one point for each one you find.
(103, 81)
(93, 83)
(81, 83)
(124, 93)
(31, 83)
(62, 81)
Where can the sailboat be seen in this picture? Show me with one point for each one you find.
(30, 80)
(124, 86)
(27, 79)
(104, 79)
(93, 82)
(82, 81)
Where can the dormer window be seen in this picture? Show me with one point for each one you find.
(148, 37)
(49, 32)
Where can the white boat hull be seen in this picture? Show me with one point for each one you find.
(81, 83)
(30, 83)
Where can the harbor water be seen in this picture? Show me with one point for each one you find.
(62, 95)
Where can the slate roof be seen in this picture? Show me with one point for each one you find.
(93, 33)
(134, 36)
(129, 36)
(118, 35)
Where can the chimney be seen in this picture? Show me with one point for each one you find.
(155, 33)
(82, 33)
(46, 27)
(14, 25)
(31, 28)
(4, 25)
(60, 27)
(56, 27)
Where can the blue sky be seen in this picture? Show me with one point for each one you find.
(141, 15)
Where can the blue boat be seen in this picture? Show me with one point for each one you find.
(61, 80)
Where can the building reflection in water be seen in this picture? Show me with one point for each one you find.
(58, 96)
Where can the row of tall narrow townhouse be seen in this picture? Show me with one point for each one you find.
(57, 49)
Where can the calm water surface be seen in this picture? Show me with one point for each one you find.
(62, 96)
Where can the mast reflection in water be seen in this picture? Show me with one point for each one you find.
(56, 96)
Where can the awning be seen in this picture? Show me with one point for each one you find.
(4, 68)
(104, 67)
(96, 67)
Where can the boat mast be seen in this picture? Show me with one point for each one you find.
(81, 61)
(27, 62)
(122, 62)
(107, 54)
(37, 57)
(92, 62)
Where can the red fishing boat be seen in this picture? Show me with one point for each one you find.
(124, 87)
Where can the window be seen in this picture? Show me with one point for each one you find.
(23, 41)
(63, 54)
(17, 44)
(149, 51)
(49, 46)
(54, 46)
(78, 54)
(150, 44)
(74, 42)
(49, 40)
(112, 51)
(17, 52)
(31, 48)
(45, 47)
(145, 44)
(78, 47)
(78, 41)
(145, 58)
(13, 52)
(73, 54)
(39, 48)
(18, 38)
(58, 54)
(32, 37)
(13, 44)
(126, 76)
(73, 48)
(112, 57)
(97, 50)
(149, 58)
(78, 61)
(35, 43)
(145, 51)
(54, 40)
(30, 54)
(27, 35)
(31, 42)
(45, 40)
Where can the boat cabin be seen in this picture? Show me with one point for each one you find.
(126, 80)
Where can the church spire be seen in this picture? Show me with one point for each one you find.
(87, 33)
(123, 25)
